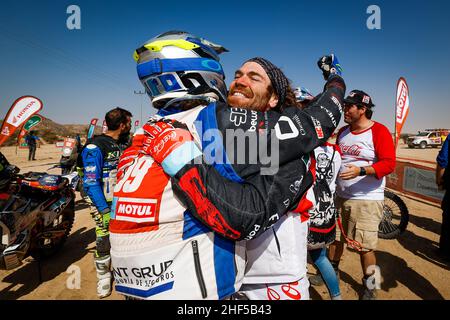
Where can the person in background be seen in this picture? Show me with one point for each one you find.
(322, 216)
(32, 140)
(443, 182)
(368, 155)
(100, 157)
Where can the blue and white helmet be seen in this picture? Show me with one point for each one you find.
(177, 64)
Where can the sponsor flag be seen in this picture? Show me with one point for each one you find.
(92, 128)
(21, 110)
(401, 107)
(33, 121)
(104, 127)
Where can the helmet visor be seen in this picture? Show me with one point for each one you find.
(161, 84)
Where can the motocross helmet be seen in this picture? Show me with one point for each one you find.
(177, 65)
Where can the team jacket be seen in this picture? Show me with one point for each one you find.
(159, 248)
(279, 255)
(100, 159)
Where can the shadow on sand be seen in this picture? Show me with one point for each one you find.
(426, 223)
(395, 270)
(424, 248)
(27, 276)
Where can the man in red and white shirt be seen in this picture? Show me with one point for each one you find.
(368, 155)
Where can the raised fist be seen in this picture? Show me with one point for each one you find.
(329, 65)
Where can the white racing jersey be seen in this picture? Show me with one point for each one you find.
(158, 249)
(279, 255)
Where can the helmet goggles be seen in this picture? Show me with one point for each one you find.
(159, 66)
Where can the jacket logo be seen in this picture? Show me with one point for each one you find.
(136, 210)
(238, 116)
(318, 127)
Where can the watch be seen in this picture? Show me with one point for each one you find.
(362, 171)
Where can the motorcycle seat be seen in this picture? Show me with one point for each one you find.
(33, 176)
(50, 182)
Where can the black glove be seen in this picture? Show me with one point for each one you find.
(329, 65)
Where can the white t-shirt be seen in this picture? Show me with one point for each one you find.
(371, 147)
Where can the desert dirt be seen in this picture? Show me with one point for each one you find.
(410, 267)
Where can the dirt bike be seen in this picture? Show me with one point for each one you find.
(36, 216)
(68, 161)
(395, 216)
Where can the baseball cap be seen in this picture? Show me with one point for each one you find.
(359, 97)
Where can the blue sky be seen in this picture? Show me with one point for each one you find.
(81, 74)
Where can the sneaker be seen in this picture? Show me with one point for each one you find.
(316, 280)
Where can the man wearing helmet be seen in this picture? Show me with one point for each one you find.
(159, 249)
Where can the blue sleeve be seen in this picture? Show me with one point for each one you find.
(92, 178)
(442, 158)
(206, 122)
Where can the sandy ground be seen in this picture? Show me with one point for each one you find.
(410, 267)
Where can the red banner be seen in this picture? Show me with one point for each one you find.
(21, 110)
(105, 127)
(401, 107)
(22, 134)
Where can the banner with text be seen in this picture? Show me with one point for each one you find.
(21, 110)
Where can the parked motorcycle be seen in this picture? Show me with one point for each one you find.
(36, 215)
(68, 161)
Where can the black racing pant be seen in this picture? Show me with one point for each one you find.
(444, 241)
